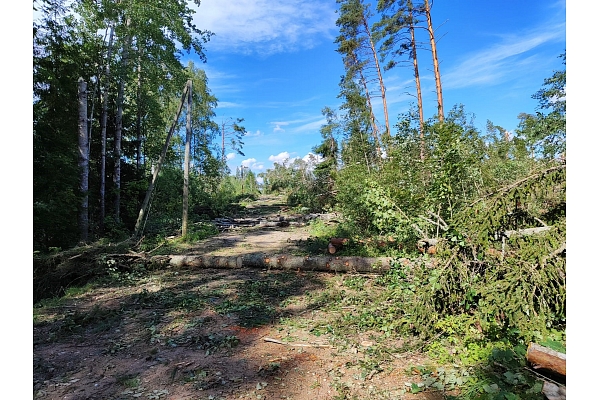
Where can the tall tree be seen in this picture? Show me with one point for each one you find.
(232, 129)
(67, 46)
(62, 53)
(397, 17)
(546, 132)
(328, 151)
(358, 47)
(186, 164)
(105, 79)
(144, 209)
(84, 159)
(436, 64)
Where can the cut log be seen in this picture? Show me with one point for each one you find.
(547, 359)
(331, 248)
(338, 242)
(427, 246)
(285, 262)
(335, 244)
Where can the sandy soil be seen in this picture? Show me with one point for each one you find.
(215, 334)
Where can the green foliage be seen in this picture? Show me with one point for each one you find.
(546, 133)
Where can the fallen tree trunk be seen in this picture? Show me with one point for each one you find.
(280, 261)
(544, 358)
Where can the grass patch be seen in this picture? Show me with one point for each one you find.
(130, 381)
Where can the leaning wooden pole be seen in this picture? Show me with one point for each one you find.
(143, 209)
(186, 167)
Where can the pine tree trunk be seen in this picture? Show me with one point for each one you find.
(373, 121)
(119, 129)
(413, 44)
(186, 167)
(379, 76)
(84, 153)
(436, 65)
(138, 121)
(103, 122)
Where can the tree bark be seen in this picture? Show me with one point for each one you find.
(143, 209)
(186, 167)
(103, 123)
(413, 44)
(544, 358)
(436, 64)
(84, 155)
(138, 118)
(281, 261)
(119, 130)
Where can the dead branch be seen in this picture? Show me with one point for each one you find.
(555, 253)
(524, 232)
(267, 339)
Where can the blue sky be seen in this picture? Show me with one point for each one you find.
(273, 63)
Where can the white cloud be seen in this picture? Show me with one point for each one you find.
(313, 126)
(496, 63)
(228, 104)
(266, 26)
(248, 162)
(278, 128)
(255, 134)
(312, 160)
(253, 164)
(230, 156)
(280, 158)
(309, 123)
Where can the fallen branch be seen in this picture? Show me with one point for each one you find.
(525, 232)
(298, 344)
(554, 254)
